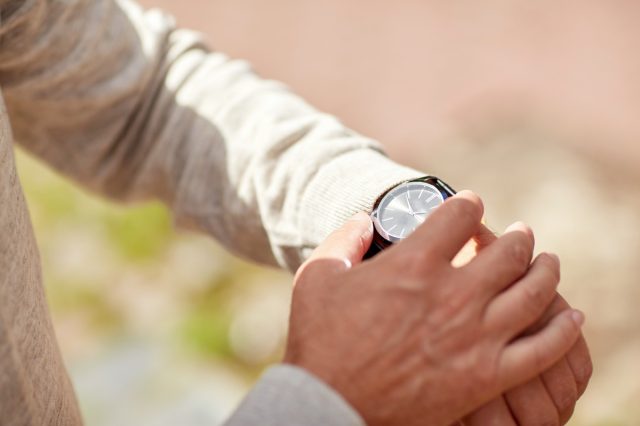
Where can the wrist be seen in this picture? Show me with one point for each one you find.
(331, 377)
(349, 184)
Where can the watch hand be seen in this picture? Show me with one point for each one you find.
(426, 211)
(409, 204)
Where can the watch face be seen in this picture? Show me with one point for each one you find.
(405, 208)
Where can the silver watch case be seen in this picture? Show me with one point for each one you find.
(396, 192)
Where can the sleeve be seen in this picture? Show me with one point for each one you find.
(289, 396)
(124, 103)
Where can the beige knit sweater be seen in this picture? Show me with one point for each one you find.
(124, 103)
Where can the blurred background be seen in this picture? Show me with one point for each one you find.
(534, 105)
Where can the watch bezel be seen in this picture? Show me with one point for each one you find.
(441, 187)
(374, 215)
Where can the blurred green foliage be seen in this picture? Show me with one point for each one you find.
(205, 326)
(131, 249)
(137, 232)
(96, 310)
(140, 233)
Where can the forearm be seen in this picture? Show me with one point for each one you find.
(131, 107)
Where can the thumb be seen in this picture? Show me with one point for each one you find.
(349, 243)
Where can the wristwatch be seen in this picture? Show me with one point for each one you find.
(401, 209)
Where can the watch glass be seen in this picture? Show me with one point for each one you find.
(405, 208)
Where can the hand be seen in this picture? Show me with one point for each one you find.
(549, 398)
(409, 203)
(409, 339)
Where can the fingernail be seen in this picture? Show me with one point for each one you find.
(554, 257)
(361, 217)
(515, 226)
(577, 317)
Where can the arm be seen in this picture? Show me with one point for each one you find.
(127, 105)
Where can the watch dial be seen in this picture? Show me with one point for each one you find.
(406, 207)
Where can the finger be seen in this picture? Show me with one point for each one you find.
(529, 356)
(562, 389)
(531, 404)
(578, 358)
(484, 238)
(504, 261)
(448, 228)
(348, 243)
(495, 413)
(523, 303)
(557, 305)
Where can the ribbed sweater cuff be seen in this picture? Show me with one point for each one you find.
(290, 396)
(347, 185)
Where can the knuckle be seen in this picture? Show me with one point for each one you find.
(466, 210)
